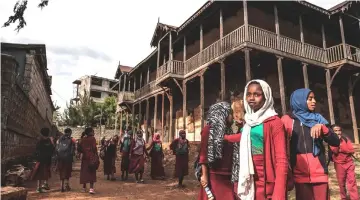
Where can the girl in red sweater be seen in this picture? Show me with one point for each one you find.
(260, 166)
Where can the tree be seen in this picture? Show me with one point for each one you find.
(19, 11)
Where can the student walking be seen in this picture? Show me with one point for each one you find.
(125, 145)
(180, 148)
(157, 156)
(344, 165)
(307, 130)
(137, 157)
(65, 151)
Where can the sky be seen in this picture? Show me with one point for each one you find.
(88, 37)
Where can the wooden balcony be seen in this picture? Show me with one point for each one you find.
(126, 97)
(171, 69)
(147, 90)
(267, 41)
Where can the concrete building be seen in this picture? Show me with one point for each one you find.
(26, 104)
(212, 55)
(97, 87)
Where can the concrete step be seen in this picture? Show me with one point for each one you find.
(13, 193)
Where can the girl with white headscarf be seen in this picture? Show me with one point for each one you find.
(262, 167)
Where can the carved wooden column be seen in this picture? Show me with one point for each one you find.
(121, 120)
(246, 20)
(201, 43)
(281, 84)
(202, 98)
(351, 86)
(247, 64)
(155, 110)
(147, 120)
(133, 117)
(184, 104)
(140, 116)
(162, 116)
(124, 83)
(328, 88)
(305, 74)
(171, 132)
(342, 36)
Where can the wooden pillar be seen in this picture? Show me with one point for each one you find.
(184, 104)
(162, 116)
(133, 117)
(184, 54)
(127, 119)
(301, 35)
(277, 27)
(121, 120)
(148, 75)
(329, 94)
(147, 120)
(281, 84)
(247, 64)
(342, 36)
(221, 28)
(171, 133)
(124, 82)
(170, 47)
(305, 74)
(352, 109)
(246, 20)
(155, 110)
(134, 83)
(201, 43)
(129, 85)
(324, 41)
(158, 55)
(140, 116)
(222, 78)
(140, 86)
(202, 98)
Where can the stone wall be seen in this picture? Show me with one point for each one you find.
(77, 131)
(21, 120)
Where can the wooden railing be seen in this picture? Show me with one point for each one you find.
(334, 53)
(353, 53)
(148, 88)
(170, 67)
(262, 37)
(126, 97)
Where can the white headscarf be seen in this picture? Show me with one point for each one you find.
(246, 190)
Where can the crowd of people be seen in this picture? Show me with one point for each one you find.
(266, 156)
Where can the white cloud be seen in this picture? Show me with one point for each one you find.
(85, 37)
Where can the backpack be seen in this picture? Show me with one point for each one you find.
(126, 145)
(65, 149)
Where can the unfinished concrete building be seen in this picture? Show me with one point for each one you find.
(223, 45)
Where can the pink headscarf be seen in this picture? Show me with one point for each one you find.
(156, 138)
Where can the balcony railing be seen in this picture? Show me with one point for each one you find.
(353, 53)
(170, 67)
(147, 89)
(126, 97)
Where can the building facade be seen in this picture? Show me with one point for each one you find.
(97, 87)
(212, 55)
(26, 104)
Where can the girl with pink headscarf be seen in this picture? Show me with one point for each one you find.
(157, 156)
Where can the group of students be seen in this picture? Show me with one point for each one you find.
(135, 152)
(268, 156)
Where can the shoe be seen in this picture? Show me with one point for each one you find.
(91, 191)
(39, 190)
(84, 190)
(67, 187)
(45, 186)
(141, 181)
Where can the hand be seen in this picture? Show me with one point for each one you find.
(316, 131)
(204, 180)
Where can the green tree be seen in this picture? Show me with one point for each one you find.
(19, 11)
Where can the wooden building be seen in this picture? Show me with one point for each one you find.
(289, 44)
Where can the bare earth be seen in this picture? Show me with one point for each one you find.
(152, 189)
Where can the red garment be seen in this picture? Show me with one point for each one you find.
(41, 171)
(312, 191)
(222, 166)
(87, 148)
(65, 169)
(345, 169)
(307, 168)
(181, 161)
(137, 162)
(157, 168)
(221, 188)
(276, 161)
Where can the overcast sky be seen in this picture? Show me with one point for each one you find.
(86, 37)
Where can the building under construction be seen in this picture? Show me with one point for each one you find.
(211, 56)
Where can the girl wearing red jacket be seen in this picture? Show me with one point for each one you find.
(344, 165)
(260, 166)
(307, 130)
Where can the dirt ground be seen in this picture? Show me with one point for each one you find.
(151, 189)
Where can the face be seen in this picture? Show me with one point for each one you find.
(255, 96)
(183, 135)
(311, 102)
(337, 130)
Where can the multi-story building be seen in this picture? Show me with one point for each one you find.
(289, 44)
(26, 104)
(97, 87)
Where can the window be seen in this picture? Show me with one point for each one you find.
(95, 94)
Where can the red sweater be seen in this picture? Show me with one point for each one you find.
(222, 166)
(342, 154)
(276, 162)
